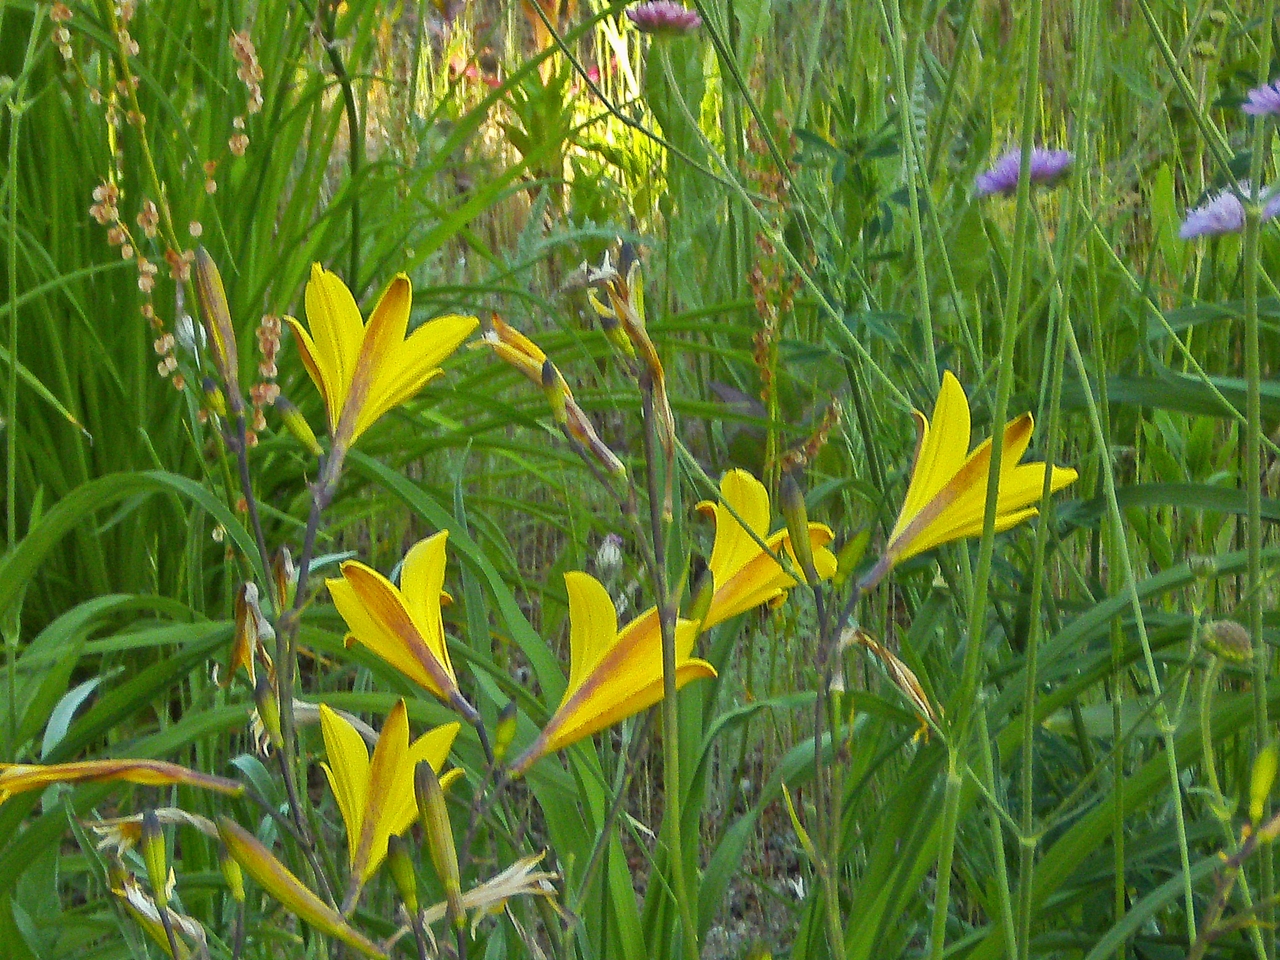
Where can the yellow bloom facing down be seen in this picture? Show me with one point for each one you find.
(947, 496)
(612, 674)
(375, 795)
(363, 370)
(403, 625)
(744, 575)
(20, 777)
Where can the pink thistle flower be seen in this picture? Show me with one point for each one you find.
(664, 17)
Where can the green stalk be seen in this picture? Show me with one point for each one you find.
(911, 170)
(1163, 724)
(1253, 461)
(17, 106)
(670, 715)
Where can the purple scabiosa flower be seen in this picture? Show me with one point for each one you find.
(1223, 213)
(1264, 100)
(664, 17)
(1046, 167)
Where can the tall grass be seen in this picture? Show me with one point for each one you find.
(798, 176)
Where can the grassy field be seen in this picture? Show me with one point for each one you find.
(1039, 721)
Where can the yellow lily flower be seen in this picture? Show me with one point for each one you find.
(363, 370)
(20, 777)
(375, 796)
(743, 574)
(274, 877)
(403, 626)
(612, 674)
(946, 498)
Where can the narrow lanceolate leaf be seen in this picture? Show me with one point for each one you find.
(274, 877)
(20, 777)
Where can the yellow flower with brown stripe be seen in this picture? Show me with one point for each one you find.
(363, 370)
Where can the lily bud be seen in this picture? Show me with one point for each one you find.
(284, 578)
(231, 873)
(850, 555)
(213, 397)
(435, 822)
(297, 425)
(797, 517)
(703, 591)
(217, 318)
(552, 387)
(153, 853)
(612, 329)
(505, 731)
(264, 695)
(401, 865)
(1262, 779)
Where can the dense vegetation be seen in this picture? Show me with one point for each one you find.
(927, 706)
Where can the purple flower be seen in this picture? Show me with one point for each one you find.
(1264, 100)
(664, 17)
(1224, 213)
(1046, 167)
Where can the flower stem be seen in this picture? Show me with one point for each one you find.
(1253, 460)
(670, 714)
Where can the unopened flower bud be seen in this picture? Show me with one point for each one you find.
(439, 832)
(284, 577)
(505, 731)
(1261, 780)
(851, 554)
(797, 516)
(153, 853)
(231, 873)
(217, 317)
(704, 589)
(1228, 640)
(551, 386)
(264, 695)
(401, 866)
(297, 425)
(213, 397)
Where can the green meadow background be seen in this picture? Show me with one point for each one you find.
(798, 177)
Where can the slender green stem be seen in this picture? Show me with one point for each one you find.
(1122, 559)
(1253, 458)
(987, 775)
(670, 714)
(355, 135)
(946, 852)
(895, 30)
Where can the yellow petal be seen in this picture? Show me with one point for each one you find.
(940, 451)
(422, 587)
(593, 626)
(348, 773)
(329, 389)
(274, 877)
(628, 681)
(21, 777)
(433, 746)
(734, 546)
(377, 618)
(387, 768)
(382, 335)
(337, 332)
(411, 363)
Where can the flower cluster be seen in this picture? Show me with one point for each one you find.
(1224, 213)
